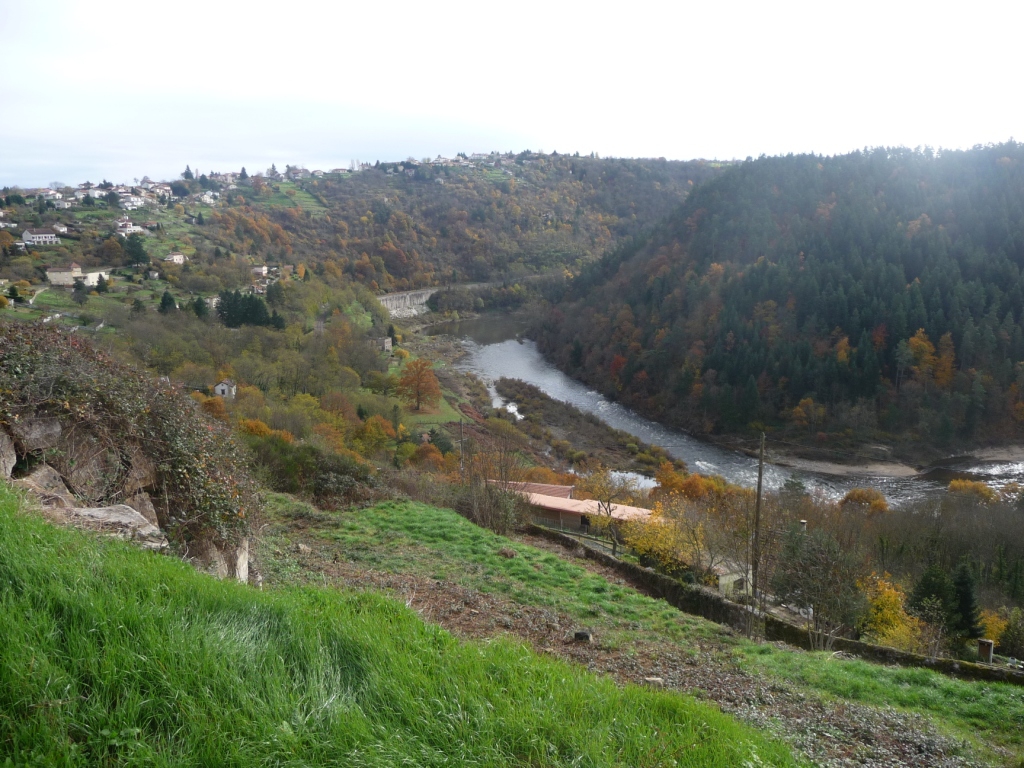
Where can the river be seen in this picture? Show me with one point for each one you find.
(495, 349)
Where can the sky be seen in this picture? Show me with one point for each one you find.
(118, 90)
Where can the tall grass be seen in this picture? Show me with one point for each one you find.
(114, 656)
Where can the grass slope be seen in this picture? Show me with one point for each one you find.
(439, 544)
(114, 656)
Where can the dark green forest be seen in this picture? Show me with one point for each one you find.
(874, 294)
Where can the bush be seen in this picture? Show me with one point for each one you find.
(328, 479)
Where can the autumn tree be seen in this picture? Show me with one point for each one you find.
(608, 489)
(418, 386)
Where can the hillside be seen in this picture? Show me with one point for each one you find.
(389, 227)
(114, 656)
(480, 585)
(852, 297)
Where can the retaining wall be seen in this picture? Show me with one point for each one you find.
(711, 605)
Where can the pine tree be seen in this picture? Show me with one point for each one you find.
(167, 303)
(965, 603)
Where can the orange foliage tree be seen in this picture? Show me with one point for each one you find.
(418, 386)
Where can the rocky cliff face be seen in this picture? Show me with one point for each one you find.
(101, 446)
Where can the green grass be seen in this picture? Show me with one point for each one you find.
(435, 543)
(993, 709)
(114, 656)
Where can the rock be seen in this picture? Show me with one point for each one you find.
(241, 566)
(48, 485)
(508, 552)
(8, 456)
(36, 433)
(89, 464)
(119, 520)
(582, 636)
(656, 682)
(209, 559)
(222, 559)
(142, 504)
(303, 549)
(142, 474)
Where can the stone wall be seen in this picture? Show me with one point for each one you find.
(701, 601)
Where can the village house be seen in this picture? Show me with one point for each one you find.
(125, 227)
(382, 344)
(67, 276)
(260, 271)
(176, 258)
(40, 237)
(60, 229)
(226, 389)
(153, 274)
(61, 205)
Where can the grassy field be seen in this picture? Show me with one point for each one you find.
(433, 544)
(114, 656)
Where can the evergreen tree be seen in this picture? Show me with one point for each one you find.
(138, 308)
(135, 249)
(934, 590)
(965, 613)
(167, 303)
(101, 285)
(243, 175)
(275, 294)
(79, 294)
(187, 174)
(200, 307)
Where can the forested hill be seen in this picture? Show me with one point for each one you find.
(404, 225)
(828, 297)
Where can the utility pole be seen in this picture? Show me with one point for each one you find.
(756, 554)
(462, 452)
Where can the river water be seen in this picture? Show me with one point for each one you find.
(495, 349)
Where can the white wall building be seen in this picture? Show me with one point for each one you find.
(40, 237)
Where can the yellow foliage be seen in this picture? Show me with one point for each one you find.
(973, 488)
(254, 427)
(993, 624)
(866, 497)
(887, 621)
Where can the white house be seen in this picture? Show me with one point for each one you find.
(226, 388)
(260, 271)
(69, 275)
(60, 229)
(61, 205)
(40, 237)
(125, 227)
(176, 258)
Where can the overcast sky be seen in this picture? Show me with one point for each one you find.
(119, 90)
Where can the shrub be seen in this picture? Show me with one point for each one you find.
(328, 479)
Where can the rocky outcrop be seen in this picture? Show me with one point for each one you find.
(8, 455)
(119, 520)
(46, 483)
(223, 560)
(90, 466)
(142, 504)
(36, 433)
